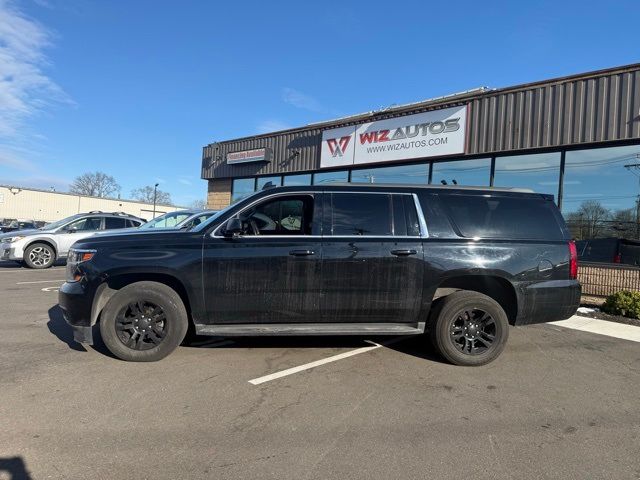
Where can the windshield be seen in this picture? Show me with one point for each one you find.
(211, 219)
(168, 220)
(59, 223)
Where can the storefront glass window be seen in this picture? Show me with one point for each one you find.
(328, 177)
(262, 181)
(399, 174)
(464, 172)
(540, 173)
(241, 188)
(600, 192)
(303, 179)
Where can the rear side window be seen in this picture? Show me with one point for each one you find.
(362, 214)
(503, 217)
(133, 223)
(112, 223)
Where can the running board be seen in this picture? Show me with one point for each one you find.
(302, 329)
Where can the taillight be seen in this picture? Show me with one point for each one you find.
(617, 258)
(573, 260)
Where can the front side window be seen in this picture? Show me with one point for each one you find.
(361, 214)
(291, 215)
(86, 224)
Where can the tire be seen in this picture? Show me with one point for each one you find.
(39, 256)
(133, 330)
(461, 332)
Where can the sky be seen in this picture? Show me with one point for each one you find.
(136, 88)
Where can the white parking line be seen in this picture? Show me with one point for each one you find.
(40, 281)
(317, 363)
(601, 327)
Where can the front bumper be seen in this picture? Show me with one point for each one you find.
(76, 305)
(11, 251)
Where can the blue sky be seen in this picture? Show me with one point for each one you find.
(136, 88)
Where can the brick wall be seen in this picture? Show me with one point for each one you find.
(218, 193)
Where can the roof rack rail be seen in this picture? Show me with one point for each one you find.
(96, 211)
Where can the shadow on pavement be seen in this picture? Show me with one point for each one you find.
(58, 326)
(9, 264)
(415, 345)
(13, 468)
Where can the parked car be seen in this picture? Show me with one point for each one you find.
(341, 259)
(609, 250)
(42, 247)
(18, 225)
(178, 220)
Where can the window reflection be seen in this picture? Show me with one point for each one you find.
(262, 181)
(328, 177)
(241, 188)
(463, 172)
(293, 180)
(399, 174)
(539, 172)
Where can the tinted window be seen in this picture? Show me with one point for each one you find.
(405, 218)
(133, 223)
(462, 172)
(361, 214)
(503, 217)
(241, 188)
(281, 216)
(112, 222)
(329, 177)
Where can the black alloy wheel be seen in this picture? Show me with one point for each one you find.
(473, 331)
(141, 325)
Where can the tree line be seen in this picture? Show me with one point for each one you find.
(593, 220)
(99, 184)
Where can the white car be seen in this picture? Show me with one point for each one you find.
(42, 247)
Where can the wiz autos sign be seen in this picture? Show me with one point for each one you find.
(429, 134)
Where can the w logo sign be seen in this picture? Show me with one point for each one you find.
(337, 146)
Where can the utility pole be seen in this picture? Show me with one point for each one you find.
(155, 192)
(633, 168)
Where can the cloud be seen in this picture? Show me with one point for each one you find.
(302, 100)
(184, 181)
(25, 90)
(269, 126)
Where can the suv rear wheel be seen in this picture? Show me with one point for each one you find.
(39, 255)
(143, 322)
(469, 328)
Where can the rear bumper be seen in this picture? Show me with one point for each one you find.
(548, 301)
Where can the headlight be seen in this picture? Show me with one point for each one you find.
(13, 239)
(74, 259)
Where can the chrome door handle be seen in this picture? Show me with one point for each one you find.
(403, 253)
(301, 253)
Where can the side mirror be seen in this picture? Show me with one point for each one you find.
(233, 228)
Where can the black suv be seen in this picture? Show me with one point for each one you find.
(340, 259)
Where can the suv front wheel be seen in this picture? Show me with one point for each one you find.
(469, 328)
(143, 322)
(39, 255)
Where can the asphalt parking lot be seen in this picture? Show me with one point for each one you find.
(558, 403)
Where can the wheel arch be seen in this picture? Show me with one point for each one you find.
(498, 288)
(46, 241)
(109, 287)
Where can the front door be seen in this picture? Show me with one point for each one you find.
(271, 272)
(75, 231)
(372, 267)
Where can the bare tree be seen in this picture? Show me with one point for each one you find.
(145, 194)
(95, 184)
(199, 204)
(592, 217)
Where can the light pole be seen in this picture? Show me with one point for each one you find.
(155, 192)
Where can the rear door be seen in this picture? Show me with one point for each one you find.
(372, 267)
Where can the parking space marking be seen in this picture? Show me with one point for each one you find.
(601, 327)
(324, 361)
(40, 281)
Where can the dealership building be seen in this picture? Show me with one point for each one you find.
(576, 137)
